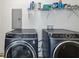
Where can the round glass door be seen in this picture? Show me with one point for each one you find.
(67, 50)
(20, 50)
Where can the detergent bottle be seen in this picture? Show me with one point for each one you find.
(60, 4)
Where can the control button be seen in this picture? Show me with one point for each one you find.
(67, 36)
(33, 42)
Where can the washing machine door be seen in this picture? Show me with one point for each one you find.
(67, 49)
(20, 49)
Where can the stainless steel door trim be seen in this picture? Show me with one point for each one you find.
(21, 43)
(61, 44)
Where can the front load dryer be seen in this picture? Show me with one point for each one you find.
(21, 43)
(60, 43)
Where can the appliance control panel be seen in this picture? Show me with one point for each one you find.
(65, 35)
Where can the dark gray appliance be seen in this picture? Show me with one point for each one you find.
(60, 43)
(21, 43)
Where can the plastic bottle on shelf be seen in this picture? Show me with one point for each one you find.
(32, 5)
(39, 6)
(60, 4)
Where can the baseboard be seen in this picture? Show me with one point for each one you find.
(1, 54)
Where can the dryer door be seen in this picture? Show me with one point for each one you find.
(20, 49)
(67, 49)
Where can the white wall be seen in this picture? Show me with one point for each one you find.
(1, 27)
(0, 18)
(57, 19)
(0, 15)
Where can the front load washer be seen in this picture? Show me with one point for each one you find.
(21, 43)
(60, 43)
